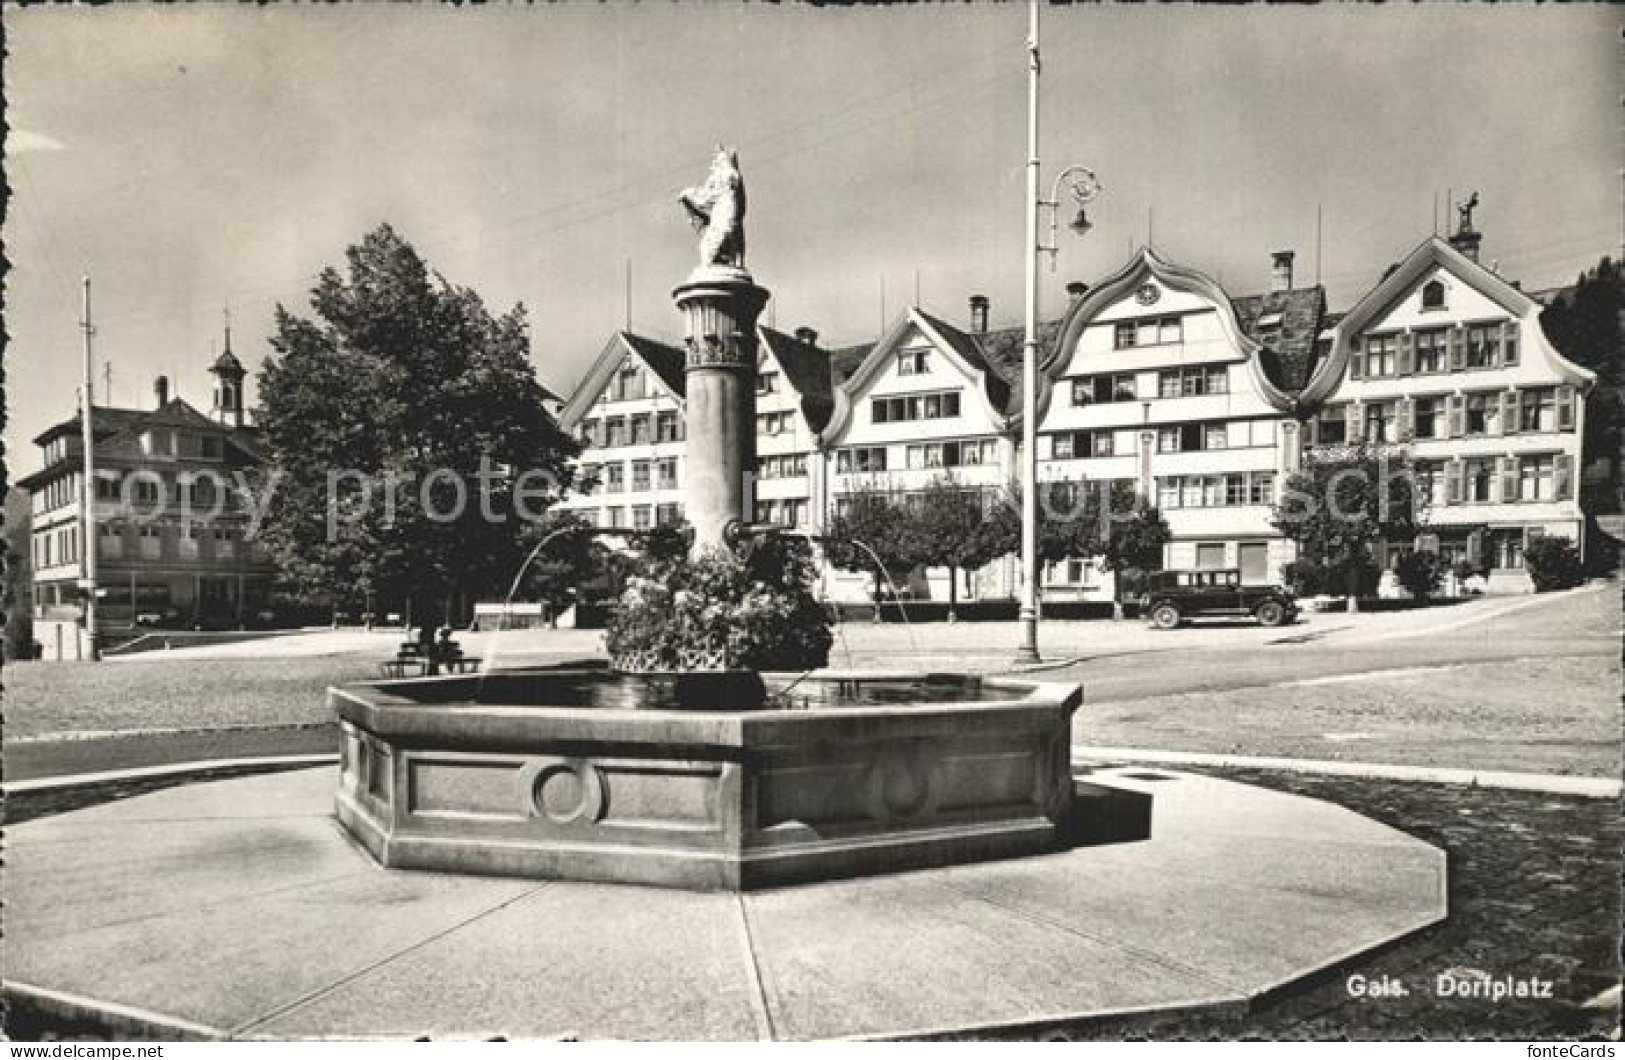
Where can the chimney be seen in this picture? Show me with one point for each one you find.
(1076, 290)
(978, 314)
(807, 335)
(1281, 273)
(160, 390)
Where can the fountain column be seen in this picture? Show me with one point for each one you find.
(720, 304)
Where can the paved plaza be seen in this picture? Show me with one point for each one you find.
(256, 918)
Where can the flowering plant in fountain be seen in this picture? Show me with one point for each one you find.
(719, 611)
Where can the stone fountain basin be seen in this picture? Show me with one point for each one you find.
(439, 774)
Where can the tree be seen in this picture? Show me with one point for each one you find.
(1343, 502)
(1587, 325)
(406, 438)
(1420, 573)
(1134, 540)
(19, 621)
(1553, 563)
(873, 532)
(954, 528)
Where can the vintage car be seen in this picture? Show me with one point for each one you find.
(1172, 596)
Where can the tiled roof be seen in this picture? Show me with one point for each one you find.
(844, 361)
(807, 368)
(664, 360)
(1288, 357)
(1003, 348)
(118, 431)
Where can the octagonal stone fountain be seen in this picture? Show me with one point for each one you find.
(702, 779)
(594, 775)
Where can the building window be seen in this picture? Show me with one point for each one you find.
(773, 423)
(915, 407)
(1192, 382)
(1236, 489)
(860, 459)
(642, 517)
(1210, 556)
(767, 383)
(1430, 481)
(628, 384)
(614, 432)
(587, 478)
(1103, 389)
(1191, 437)
(1433, 295)
(1483, 345)
(1429, 413)
(1537, 478)
(1477, 474)
(668, 514)
(592, 433)
(614, 478)
(1483, 414)
(914, 362)
(1153, 331)
(1077, 445)
(1379, 421)
(1431, 351)
(641, 430)
(1380, 351)
(1539, 409)
(640, 476)
(667, 473)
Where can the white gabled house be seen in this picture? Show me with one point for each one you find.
(1446, 358)
(1157, 378)
(924, 403)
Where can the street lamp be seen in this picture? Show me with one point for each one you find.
(1083, 188)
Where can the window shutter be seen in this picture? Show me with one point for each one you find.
(1311, 430)
(1509, 479)
(1509, 343)
(1458, 350)
(1357, 362)
(1452, 482)
(1475, 547)
(1509, 412)
(1563, 477)
(1407, 354)
(1354, 427)
(1457, 414)
(1407, 419)
(1565, 408)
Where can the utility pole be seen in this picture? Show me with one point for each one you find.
(1027, 651)
(87, 506)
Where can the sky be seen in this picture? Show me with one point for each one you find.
(199, 159)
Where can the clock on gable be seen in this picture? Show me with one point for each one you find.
(1147, 294)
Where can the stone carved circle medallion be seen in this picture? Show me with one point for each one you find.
(904, 784)
(1148, 294)
(567, 792)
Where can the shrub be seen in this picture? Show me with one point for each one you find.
(1420, 573)
(757, 610)
(1553, 563)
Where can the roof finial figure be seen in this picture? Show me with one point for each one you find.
(1465, 210)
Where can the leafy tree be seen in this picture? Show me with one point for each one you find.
(1133, 543)
(1420, 573)
(1553, 563)
(19, 621)
(954, 528)
(875, 533)
(1587, 325)
(406, 437)
(1343, 502)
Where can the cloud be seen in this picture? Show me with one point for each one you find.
(23, 141)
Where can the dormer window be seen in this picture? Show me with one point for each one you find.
(1433, 295)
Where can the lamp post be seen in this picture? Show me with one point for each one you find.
(1084, 188)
